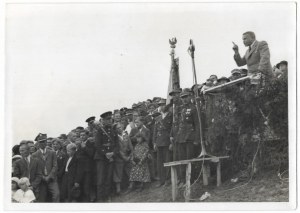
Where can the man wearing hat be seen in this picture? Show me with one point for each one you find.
(257, 57)
(93, 126)
(162, 143)
(106, 143)
(223, 80)
(48, 161)
(235, 74)
(188, 133)
(131, 125)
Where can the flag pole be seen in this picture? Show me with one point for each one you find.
(191, 51)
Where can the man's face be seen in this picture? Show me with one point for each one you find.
(138, 123)
(186, 99)
(56, 146)
(213, 78)
(120, 129)
(209, 83)
(24, 151)
(91, 124)
(151, 109)
(83, 136)
(236, 76)
(31, 148)
(71, 152)
(247, 40)
(134, 116)
(117, 117)
(107, 121)
(283, 68)
(42, 144)
(49, 143)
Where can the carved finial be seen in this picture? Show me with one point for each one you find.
(173, 42)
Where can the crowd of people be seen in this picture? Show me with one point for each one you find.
(122, 151)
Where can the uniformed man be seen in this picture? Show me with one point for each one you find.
(177, 103)
(106, 142)
(188, 134)
(162, 143)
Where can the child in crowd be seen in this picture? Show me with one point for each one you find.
(140, 170)
(14, 186)
(24, 194)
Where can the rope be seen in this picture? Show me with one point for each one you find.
(252, 167)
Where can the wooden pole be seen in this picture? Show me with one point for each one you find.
(188, 182)
(219, 181)
(174, 183)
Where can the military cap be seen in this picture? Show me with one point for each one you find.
(281, 63)
(244, 72)
(41, 137)
(90, 119)
(149, 100)
(173, 92)
(129, 112)
(162, 102)
(236, 71)
(79, 128)
(185, 92)
(106, 115)
(223, 78)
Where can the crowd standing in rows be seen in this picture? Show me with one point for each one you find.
(122, 151)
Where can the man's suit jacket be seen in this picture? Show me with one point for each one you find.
(34, 174)
(257, 60)
(50, 163)
(74, 175)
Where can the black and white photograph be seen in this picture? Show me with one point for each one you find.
(149, 105)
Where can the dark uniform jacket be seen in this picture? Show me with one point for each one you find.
(144, 130)
(162, 129)
(48, 162)
(85, 155)
(33, 172)
(188, 125)
(106, 141)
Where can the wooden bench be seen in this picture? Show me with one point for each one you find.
(188, 163)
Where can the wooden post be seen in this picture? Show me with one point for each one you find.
(174, 182)
(219, 181)
(205, 178)
(208, 170)
(188, 182)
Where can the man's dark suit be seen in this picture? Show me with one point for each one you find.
(61, 157)
(33, 172)
(144, 131)
(74, 175)
(48, 162)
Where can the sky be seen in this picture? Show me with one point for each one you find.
(67, 62)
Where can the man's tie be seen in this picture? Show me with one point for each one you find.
(28, 171)
(249, 49)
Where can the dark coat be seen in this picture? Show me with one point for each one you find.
(49, 162)
(144, 130)
(106, 140)
(188, 125)
(162, 129)
(61, 157)
(85, 156)
(35, 171)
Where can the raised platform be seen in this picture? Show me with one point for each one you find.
(188, 163)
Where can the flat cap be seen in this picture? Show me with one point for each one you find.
(236, 71)
(90, 119)
(223, 79)
(79, 128)
(106, 115)
(41, 137)
(281, 63)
